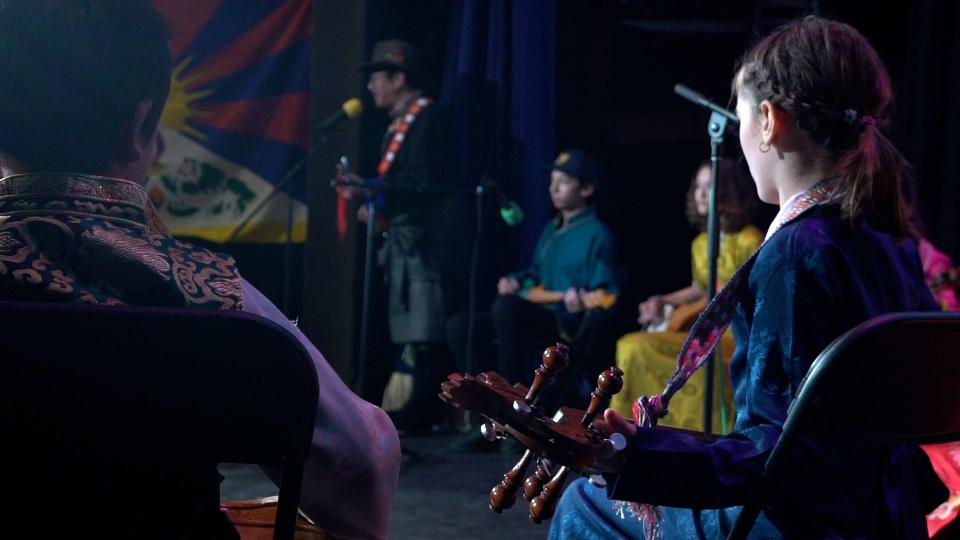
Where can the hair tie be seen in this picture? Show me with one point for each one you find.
(850, 116)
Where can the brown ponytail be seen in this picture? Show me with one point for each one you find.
(873, 184)
(831, 81)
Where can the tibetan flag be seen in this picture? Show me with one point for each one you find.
(236, 120)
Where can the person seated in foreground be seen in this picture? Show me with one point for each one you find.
(84, 85)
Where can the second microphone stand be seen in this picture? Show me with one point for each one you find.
(285, 186)
(370, 204)
(370, 189)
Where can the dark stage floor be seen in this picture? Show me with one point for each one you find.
(443, 493)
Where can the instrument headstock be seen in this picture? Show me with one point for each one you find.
(566, 438)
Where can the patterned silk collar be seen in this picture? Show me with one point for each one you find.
(113, 199)
(96, 240)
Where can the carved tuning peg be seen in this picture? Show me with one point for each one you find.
(555, 359)
(544, 505)
(504, 494)
(533, 485)
(608, 383)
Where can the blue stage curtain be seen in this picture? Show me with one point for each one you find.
(499, 83)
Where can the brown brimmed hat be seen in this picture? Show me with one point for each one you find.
(393, 54)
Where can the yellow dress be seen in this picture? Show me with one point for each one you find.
(648, 359)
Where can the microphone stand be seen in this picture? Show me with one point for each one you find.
(284, 185)
(720, 118)
(716, 128)
(369, 189)
(478, 191)
(367, 278)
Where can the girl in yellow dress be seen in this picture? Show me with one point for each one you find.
(648, 357)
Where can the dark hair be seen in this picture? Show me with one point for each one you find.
(737, 200)
(828, 77)
(73, 74)
(414, 81)
(597, 194)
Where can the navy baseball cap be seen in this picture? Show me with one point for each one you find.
(576, 163)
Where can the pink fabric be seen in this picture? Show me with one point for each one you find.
(934, 264)
(354, 466)
(945, 458)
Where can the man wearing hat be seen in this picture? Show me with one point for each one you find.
(570, 286)
(415, 157)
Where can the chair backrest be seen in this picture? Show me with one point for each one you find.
(96, 392)
(894, 378)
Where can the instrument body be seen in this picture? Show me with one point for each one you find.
(598, 299)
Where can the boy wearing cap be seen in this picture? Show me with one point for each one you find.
(574, 256)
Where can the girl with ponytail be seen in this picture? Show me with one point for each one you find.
(827, 81)
(813, 99)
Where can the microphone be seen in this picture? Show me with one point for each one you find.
(510, 211)
(351, 109)
(702, 101)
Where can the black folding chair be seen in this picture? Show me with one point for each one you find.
(93, 394)
(910, 357)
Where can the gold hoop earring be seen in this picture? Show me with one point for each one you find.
(764, 146)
